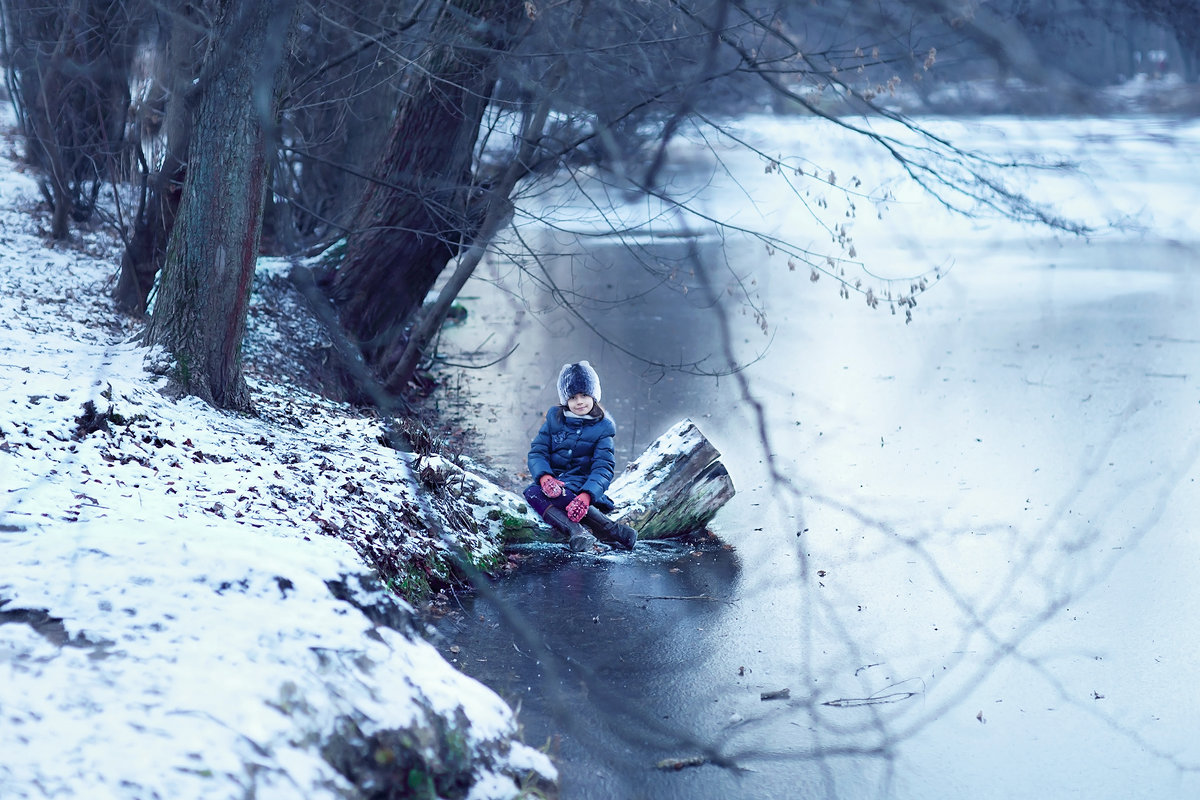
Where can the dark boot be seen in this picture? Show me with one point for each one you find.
(578, 537)
(610, 531)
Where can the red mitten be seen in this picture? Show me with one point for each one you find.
(577, 508)
(551, 486)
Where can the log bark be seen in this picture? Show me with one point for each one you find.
(672, 490)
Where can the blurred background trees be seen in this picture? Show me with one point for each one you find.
(69, 74)
(393, 129)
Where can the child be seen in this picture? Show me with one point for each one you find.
(571, 461)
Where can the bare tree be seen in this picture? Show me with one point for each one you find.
(423, 201)
(336, 94)
(68, 76)
(627, 76)
(492, 98)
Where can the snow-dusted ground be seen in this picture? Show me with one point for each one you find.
(185, 610)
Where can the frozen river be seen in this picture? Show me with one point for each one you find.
(965, 545)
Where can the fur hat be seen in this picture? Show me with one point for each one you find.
(578, 379)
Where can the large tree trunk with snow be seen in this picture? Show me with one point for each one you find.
(204, 292)
(672, 490)
(418, 212)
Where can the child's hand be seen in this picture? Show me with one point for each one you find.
(551, 486)
(577, 508)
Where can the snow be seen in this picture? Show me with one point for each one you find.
(169, 624)
(165, 642)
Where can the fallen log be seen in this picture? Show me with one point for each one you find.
(673, 489)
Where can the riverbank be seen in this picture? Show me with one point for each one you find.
(191, 602)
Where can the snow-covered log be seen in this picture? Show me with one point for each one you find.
(672, 489)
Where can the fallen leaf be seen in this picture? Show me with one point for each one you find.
(680, 763)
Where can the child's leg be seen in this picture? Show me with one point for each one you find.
(608, 530)
(537, 499)
(551, 509)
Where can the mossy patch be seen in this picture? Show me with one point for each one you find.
(428, 761)
(411, 583)
(510, 523)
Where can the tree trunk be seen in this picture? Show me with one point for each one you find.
(200, 310)
(147, 247)
(413, 220)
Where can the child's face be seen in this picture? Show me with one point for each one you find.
(581, 404)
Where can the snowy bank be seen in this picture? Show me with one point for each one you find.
(161, 660)
(189, 599)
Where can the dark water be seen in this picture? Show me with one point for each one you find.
(601, 657)
(610, 661)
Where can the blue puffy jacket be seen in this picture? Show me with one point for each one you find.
(579, 452)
